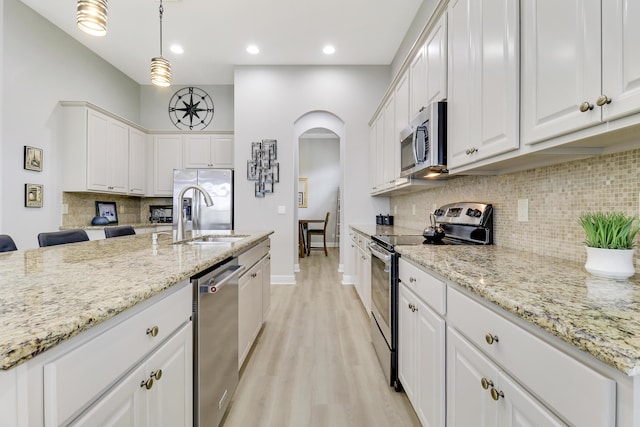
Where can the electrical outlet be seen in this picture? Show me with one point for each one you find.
(523, 210)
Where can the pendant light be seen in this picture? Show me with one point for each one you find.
(92, 16)
(160, 67)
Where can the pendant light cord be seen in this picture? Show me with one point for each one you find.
(161, 11)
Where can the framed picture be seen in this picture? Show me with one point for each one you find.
(302, 192)
(33, 195)
(33, 158)
(258, 192)
(107, 210)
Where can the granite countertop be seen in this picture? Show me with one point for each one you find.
(51, 294)
(598, 316)
(102, 227)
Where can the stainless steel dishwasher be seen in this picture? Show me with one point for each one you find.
(215, 320)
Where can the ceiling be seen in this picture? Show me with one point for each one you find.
(215, 33)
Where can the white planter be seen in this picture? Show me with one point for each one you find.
(610, 263)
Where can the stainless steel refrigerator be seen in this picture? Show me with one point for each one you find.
(219, 185)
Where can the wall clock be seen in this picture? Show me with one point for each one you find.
(191, 108)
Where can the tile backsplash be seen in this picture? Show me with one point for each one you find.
(131, 210)
(556, 195)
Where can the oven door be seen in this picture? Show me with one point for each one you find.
(381, 266)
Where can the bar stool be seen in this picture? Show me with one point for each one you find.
(318, 232)
(7, 244)
(61, 237)
(125, 230)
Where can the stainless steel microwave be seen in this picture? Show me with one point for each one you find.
(423, 144)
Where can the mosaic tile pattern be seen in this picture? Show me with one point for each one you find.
(131, 210)
(51, 294)
(557, 196)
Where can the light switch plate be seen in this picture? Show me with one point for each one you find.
(523, 210)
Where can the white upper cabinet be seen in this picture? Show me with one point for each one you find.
(167, 156)
(96, 155)
(483, 89)
(418, 83)
(137, 161)
(401, 96)
(561, 71)
(107, 154)
(389, 146)
(428, 70)
(203, 151)
(435, 54)
(620, 57)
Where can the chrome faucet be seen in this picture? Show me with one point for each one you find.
(181, 218)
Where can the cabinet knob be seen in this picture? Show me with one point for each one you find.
(496, 395)
(491, 338)
(585, 106)
(471, 150)
(147, 384)
(412, 280)
(603, 100)
(153, 331)
(156, 374)
(413, 308)
(485, 383)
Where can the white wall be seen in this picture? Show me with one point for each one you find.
(154, 107)
(268, 101)
(320, 164)
(41, 66)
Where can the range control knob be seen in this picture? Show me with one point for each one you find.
(474, 213)
(438, 212)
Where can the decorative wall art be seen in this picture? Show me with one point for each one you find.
(107, 210)
(33, 158)
(302, 192)
(263, 167)
(33, 195)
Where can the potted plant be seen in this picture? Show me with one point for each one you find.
(610, 243)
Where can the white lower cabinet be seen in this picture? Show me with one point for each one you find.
(137, 371)
(421, 357)
(480, 394)
(254, 296)
(156, 393)
(363, 262)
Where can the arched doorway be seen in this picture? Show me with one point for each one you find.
(321, 125)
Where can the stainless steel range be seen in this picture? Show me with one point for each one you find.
(463, 223)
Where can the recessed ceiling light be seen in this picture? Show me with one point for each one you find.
(329, 50)
(253, 49)
(176, 48)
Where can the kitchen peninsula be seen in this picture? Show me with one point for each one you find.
(53, 299)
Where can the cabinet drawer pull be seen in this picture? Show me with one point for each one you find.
(153, 331)
(156, 374)
(147, 384)
(491, 338)
(585, 106)
(485, 383)
(471, 150)
(496, 395)
(603, 100)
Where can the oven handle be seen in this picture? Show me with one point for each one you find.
(375, 251)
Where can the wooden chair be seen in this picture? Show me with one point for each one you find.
(125, 230)
(7, 244)
(62, 237)
(318, 232)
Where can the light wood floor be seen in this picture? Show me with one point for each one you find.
(314, 364)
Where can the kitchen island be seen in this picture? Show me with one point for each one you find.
(53, 297)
